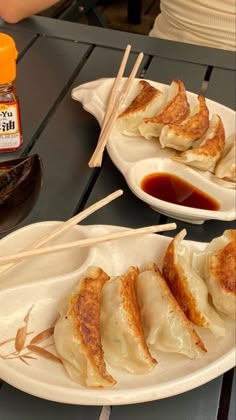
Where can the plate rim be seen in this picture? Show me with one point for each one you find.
(88, 396)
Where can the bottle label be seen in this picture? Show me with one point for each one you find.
(10, 126)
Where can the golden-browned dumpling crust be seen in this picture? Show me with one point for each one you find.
(217, 266)
(128, 296)
(181, 136)
(178, 283)
(175, 111)
(188, 287)
(140, 102)
(220, 273)
(78, 331)
(230, 234)
(205, 155)
(121, 326)
(84, 312)
(222, 266)
(146, 104)
(165, 324)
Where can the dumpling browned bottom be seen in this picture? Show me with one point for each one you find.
(142, 100)
(121, 325)
(180, 136)
(85, 314)
(174, 111)
(223, 267)
(176, 279)
(206, 154)
(220, 275)
(165, 325)
(77, 332)
(146, 104)
(188, 287)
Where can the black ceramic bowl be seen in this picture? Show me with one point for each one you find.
(20, 184)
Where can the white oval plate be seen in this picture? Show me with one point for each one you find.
(46, 379)
(126, 151)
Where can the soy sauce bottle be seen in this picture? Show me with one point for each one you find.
(10, 122)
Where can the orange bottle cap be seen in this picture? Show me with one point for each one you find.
(8, 55)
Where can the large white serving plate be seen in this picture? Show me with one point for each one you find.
(148, 157)
(39, 284)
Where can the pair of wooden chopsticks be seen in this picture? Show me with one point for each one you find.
(38, 248)
(114, 105)
(64, 227)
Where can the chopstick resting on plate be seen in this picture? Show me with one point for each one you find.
(64, 226)
(115, 87)
(82, 243)
(114, 105)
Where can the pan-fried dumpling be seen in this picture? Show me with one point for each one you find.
(77, 332)
(207, 151)
(181, 136)
(188, 287)
(165, 325)
(121, 327)
(226, 166)
(217, 265)
(146, 104)
(176, 110)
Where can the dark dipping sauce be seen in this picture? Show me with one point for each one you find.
(173, 189)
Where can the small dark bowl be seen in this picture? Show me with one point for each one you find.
(20, 184)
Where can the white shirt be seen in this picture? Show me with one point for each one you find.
(204, 22)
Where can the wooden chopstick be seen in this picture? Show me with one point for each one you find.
(96, 159)
(113, 94)
(67, 225)
(82, 243)
(115, 87)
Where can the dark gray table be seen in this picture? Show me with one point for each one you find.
(55, 56)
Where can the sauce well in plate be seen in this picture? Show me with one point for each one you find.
(173, 189)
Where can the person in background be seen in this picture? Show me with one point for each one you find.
(12, 11)
(202, 22)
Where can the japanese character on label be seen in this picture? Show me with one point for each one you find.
(7, 126)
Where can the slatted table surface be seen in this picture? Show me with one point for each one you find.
(54, 57)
